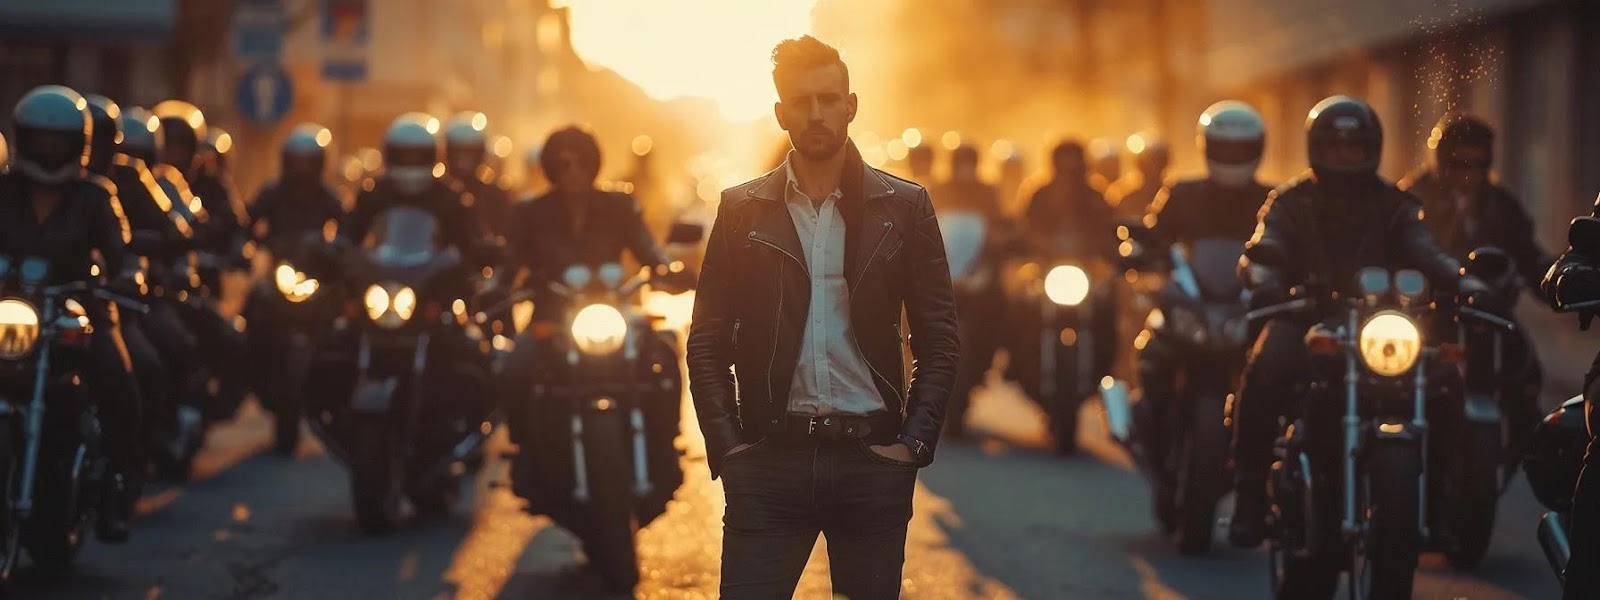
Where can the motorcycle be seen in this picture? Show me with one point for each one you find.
(1198, 330)
(1480, 471)
(1553, 462)
(1349, 489)
(974, 271)
(294, 315)
(52, 459)
(386, 395)
(1057, 356)
(606, 404)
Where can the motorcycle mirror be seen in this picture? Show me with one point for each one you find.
(1373, 281)
(686, 233)
(1584, 235)
(1488, 263)
(610, 274)
(1410, 283)
(576, 277)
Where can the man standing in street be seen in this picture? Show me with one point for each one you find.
(807, 272)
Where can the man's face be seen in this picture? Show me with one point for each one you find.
(816, 107)
(1069, 166)
(1464, 170)
(570, 175)
(1346, 154)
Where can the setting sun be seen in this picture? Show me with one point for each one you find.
(716, 49)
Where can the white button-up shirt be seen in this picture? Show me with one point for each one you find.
(832, 377)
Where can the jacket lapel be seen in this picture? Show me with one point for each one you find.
(773, 225)
(869, 222)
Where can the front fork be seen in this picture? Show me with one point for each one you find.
(1050, 345)
(642, 485)
(1352, 436)
(33, 431)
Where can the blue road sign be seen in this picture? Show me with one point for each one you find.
(264, 94)
(258, 27)
(346, 27)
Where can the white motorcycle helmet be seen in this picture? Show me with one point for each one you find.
(466, 141)
(1232, 135)
(411, 152)
(142, 136)
(50, 135)
(305, 150)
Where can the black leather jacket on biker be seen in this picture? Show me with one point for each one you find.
(158, 232)
(87, 218)
(457, 227)
(750, 308)
(1497, 219)
(490, 202)
(226, 210)
(1306, 236)
(553, 232)
(1070, 219)
(290, 208)
(1197, 208)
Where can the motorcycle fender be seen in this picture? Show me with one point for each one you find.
(1396, 431)
(1482, 408)
(374, 396)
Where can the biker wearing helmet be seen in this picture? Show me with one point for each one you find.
(299, 200)
(184, 130)
(411, 177)
(466, 156)
(1319, 230)
(51, 208)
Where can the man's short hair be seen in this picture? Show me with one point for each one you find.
(803, 54)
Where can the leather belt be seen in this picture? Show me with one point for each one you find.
(841, 426)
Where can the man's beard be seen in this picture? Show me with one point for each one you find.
(817, 147)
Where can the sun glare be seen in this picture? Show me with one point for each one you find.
(715, 49)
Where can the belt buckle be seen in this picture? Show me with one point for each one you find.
(811, 424)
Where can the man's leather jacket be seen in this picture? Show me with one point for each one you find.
(1194, 209)
(1499, 220)
(1307, 234)
(750, 309)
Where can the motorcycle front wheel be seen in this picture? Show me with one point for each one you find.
(1480, 494)
(376, 508)
(10, 527)
(1202, 475)
(609, 541)
(1384, 563)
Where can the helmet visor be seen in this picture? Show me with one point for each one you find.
(1347, 153)
(51, 150)
(1233, 152)
(410, 157)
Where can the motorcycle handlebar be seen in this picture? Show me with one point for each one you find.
(1297, 305)
(1489, 318)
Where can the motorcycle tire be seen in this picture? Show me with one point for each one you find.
(10, 527)
(609, 540)
(1384, 564)
(55, 532)
(1314, 573)
(375, 510)
(1202, 476)
(286, 434)
(1480, 494)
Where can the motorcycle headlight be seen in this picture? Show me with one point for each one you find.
(1390, 343)
(294, 285)
(599, 329)
(1066, 285)
(19, 329)
(390, 305)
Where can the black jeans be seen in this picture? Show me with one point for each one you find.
(782, 492)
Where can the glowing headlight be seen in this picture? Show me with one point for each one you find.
(1390, 343)
(1066, 285)
(19, 329)
(294, 285)
(390, 305)
(599, 329)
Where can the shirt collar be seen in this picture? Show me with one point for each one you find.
(791, 188)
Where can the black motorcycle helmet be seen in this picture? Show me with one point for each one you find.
(1343, 140)
(184, 127)
(570, 148)
(105, 133)
(919, 159)
(963, 156)
(1555, 455)
(50, 135)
